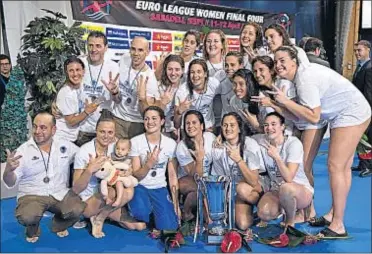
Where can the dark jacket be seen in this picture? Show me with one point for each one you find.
(363, 81)
(314, 59)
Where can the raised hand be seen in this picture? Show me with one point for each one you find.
(184, 105)
(279, 95)
(251, 118)
(217, 143)
(12, 161)
(142, 87)
(233, 153)
(166, 96)
(262, 101)
(272, 150)
(112, 85)
(199, 152)
(89, 108)
(96, 163)
(160, 59)
(55, 111)
(153, 157)
(250, 52)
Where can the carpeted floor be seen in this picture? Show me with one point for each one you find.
(357, 219)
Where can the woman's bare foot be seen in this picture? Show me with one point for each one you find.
(128, 222)
(63, 233)
(97, 226)
(32, 239)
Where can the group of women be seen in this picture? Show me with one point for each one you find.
(275, 109)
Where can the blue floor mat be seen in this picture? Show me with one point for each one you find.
(357, 221)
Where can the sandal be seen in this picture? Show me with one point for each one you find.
(329, 234)
(319, 222)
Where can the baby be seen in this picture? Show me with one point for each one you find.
(118, 171)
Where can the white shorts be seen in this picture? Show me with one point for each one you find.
(357, 112)
(304, 125)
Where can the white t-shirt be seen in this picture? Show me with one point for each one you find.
(81, 162)
(32, 171)
(227, 93)
(155, 178)
(68, 103)
(291, 151)
(169, 109)
(224, 165)
(217, 71)
(318, 85)
(184, 156)
(128, 109)
(201, 102)
(99, 91)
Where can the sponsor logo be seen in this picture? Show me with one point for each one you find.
(96, 10)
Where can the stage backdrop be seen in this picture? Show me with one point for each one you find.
(163, 23)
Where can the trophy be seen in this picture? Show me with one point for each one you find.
(216, 194)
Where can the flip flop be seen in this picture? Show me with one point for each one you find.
(329, 234)
(319, 222)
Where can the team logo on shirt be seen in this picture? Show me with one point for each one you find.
(63, 149)
(35, 158)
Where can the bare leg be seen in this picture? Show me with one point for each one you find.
(311, 140)
(245, 199)
(122, 217)
(188, 188)
(293, 196)
(341, 149)
(119, 193)
(268, 207)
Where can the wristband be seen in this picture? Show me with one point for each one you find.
(85, 113)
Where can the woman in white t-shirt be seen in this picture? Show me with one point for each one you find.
(197, 93)
(276, 36)
(153, 155)
(72, 109)
(283, 159)
(245, 86)
(190, 44)
(194, 154)
(264, 73)
(214, 52)
(170, 81)
(324, 94)
(240, 158)
(251, 44)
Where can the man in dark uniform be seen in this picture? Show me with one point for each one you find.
(362, 79)
(5, 69)
(313, 48)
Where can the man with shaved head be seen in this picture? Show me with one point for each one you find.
(138, 89)
(41, 167)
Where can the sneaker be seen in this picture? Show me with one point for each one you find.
(80, 224)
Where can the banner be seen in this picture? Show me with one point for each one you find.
(173, 15)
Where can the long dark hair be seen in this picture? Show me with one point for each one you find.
(269, 62)
(282, 32)
(259, 36)
(171, 58)
(242, 133)
(187, 139)
(252, 88)
(203, 64)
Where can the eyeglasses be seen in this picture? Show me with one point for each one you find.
(4, 64)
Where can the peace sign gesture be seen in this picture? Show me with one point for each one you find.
(153, 157)
(166, 96)
(233, 153)
(250, 52)
(184, 105)
(142, 87)
(112, 84)
(279, 95)
(160, 59)
(12, 161)
(251, 118)
(262, 101)
(199, 152)
(272, 150)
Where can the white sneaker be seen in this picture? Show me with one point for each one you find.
(80, 224)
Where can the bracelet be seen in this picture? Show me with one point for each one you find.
(239, 161)
(85, 113)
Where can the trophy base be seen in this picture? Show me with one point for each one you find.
(214, 239)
